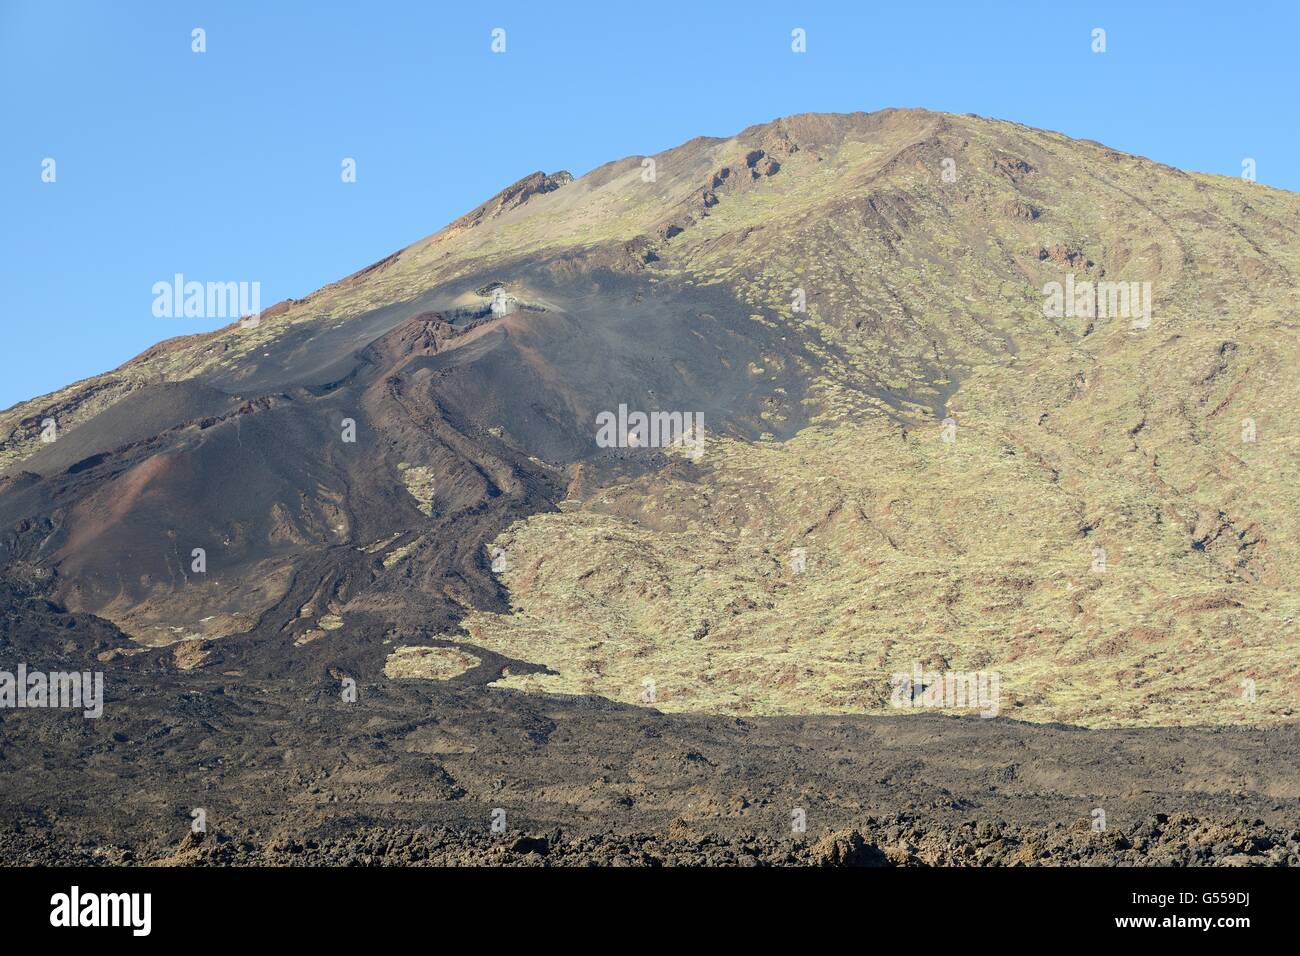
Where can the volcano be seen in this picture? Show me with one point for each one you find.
(369, 564)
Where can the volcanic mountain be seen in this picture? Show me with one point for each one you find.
(820, 293)
(975, 397)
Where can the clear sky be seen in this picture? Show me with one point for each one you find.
(226, 165)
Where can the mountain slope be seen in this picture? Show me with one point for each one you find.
(1091, 524)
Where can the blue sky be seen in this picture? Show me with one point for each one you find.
(226, 165)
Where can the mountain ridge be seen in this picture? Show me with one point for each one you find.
(521, 184)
